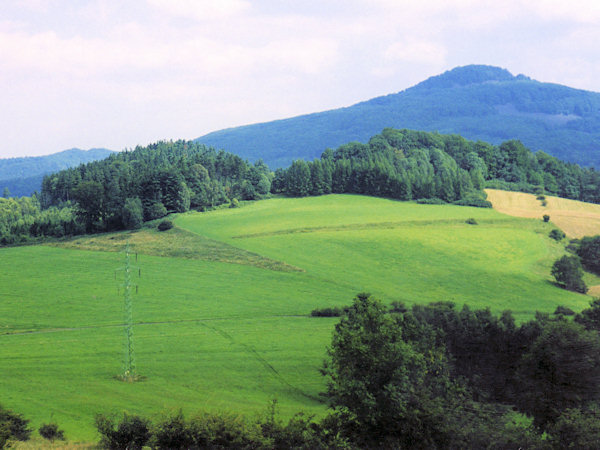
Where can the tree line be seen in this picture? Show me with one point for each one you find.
(133, 186)
(130, 187)
(149, 182)
(406, 164)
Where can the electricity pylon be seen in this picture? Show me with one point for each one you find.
(129, 369)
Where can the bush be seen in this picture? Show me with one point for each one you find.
(546, 217)
(589, 252)
(576, 428)
(563, 310)
(133, 432)
(568, 273)
(431, 201)
(132, 214)
(225, 431)
(234, 203)
(51, 432)
(155, 211)
(473, 200)
(327, 312)
(471, 221)
(165, 225)
(557, 235)
(12, 426)
(541, 197)
(173, 433)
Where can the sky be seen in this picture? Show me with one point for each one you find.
(117, 74)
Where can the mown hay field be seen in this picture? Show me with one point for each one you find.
(575, 218)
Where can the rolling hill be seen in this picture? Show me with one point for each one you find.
(23, 176)
(222, 315)
(478, 102)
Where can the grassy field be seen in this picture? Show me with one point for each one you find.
(223, 302)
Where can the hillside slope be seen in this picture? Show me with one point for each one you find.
(220, 325)
(576, 219)
(23, 176)
(478, 102)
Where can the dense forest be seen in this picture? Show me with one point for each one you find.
(406, 164)
(127, 188)
(130, 187)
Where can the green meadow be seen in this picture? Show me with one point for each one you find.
(223, 304)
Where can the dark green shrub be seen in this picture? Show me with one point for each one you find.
(327, 312)
(132, 214)
(12, 426)
(173, 433)
(431, 201)
(133, 432)
(51, 432)
(557, 235)
(589, 252)
(546, 217)
(155, 211)
(300, 432)
(471, 221)
(398, 307)
(576, 428)
(165, 225)
(544, 203)
(568, 273)
(541, 197)
(563, 310)
(225, 431)
(473, 200)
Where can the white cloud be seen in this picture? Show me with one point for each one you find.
(413, 51)
(238, 61)
(201, 10)
(582, 11)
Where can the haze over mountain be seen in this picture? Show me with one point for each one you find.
(23, 176)
(478, 102)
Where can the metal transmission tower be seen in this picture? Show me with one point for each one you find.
(129, 370)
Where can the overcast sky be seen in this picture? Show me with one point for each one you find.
(115, 74)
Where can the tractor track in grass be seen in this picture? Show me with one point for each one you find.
(202, 322)
(371, 225)
(256, 355)
(121, 325)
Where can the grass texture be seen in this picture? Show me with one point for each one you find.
(223, 301)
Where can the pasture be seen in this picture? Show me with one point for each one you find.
(222, 309)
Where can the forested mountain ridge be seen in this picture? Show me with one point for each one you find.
(23, 176)
(478, 102)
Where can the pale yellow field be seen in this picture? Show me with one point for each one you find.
(576, 219)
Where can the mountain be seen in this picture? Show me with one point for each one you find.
(23, 176)
(478, 102)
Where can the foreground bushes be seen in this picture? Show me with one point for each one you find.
(215, 431)
(12, 427)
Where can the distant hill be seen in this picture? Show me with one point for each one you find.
(23, 176)
(478, 102)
